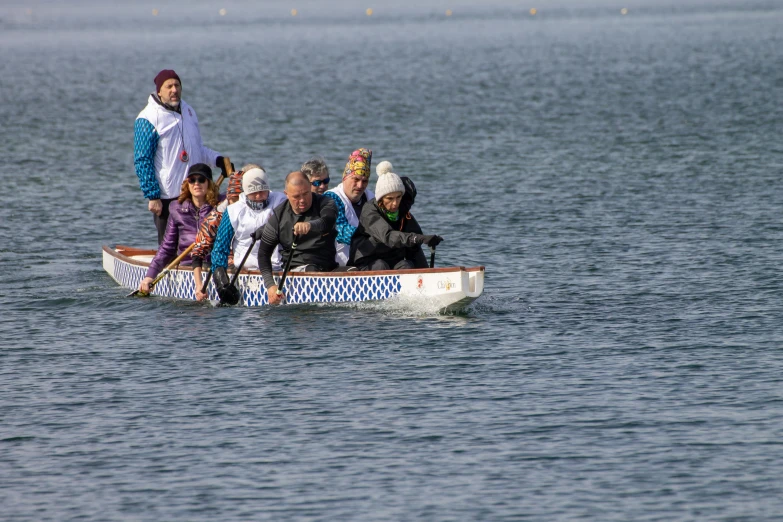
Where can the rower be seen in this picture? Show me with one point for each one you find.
(252, 212)
(198, 196)
(205, 239)
(350, 196)
(311, 218)
(385, 238)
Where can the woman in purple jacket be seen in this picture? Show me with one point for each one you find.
(199, 195)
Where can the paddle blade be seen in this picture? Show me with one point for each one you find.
(229, 295)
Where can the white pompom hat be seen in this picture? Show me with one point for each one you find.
(388, 181)
(255, 180)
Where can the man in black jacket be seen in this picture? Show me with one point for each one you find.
(307, 215)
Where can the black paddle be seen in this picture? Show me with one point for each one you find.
(206, 283)
(432, 257)
(287, 266)
(288, 261)
(233, 297)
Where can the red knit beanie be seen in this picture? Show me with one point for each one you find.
(165, 74)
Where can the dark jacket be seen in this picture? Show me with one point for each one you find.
(184, 222)
(316, 248)
(378, 238)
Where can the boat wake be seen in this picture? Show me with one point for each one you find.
(402, 306)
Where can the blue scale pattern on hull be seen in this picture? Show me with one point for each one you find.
(299, 289)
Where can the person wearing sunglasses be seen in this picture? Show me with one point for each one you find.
(318, 174)
(205, 239)
(350, 196)
(198, 196)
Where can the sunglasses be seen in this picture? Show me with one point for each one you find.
(319, 182)
(197, 179)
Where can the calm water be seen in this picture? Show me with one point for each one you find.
(618, 176)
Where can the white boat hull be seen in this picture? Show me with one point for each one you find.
(447, 289)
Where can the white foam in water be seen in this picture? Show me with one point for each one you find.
(400, 305)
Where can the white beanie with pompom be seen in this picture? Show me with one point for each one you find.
(388, 181)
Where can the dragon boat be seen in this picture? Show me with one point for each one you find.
(448, 289)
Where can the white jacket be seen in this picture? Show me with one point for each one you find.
(343, 250)
(175, 132)
(245, 221)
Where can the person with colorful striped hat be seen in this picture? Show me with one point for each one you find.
(350, 196)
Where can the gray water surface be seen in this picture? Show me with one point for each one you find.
(618, 176)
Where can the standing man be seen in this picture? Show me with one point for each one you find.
(318, 174)
(166, 143)
(309, 216)
(350, 196)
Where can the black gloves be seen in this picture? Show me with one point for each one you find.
(221, 165)
(228, 293)
(256, 235)
(431, 241)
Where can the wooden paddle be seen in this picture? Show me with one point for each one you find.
(227, 167)
(163, 272)
(432, 257)
(179, 258)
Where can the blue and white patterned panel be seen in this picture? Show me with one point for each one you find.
(252, 289)
(179, 285)
(176, 284)
(340, 289)
(313, 289)
(128, 275)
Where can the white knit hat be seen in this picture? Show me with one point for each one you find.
(255, 180)
(388, 181)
